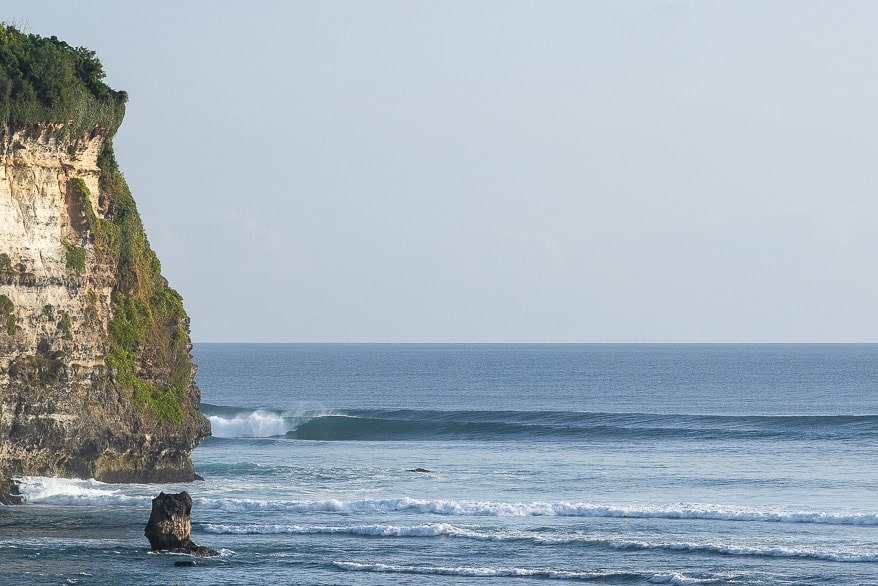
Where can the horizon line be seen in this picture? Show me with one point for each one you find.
(539, 343)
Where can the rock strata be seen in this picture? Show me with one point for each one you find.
(169, 526)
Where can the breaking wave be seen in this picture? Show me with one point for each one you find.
(481, 572)
(538, 538)
(542, 509)
(71, 492)
(675, 579)
(235, 422)
(427, 530)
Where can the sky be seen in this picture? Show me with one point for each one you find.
(460, 171)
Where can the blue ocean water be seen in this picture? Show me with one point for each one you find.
(609, 464)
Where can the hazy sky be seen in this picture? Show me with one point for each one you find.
(644, 171)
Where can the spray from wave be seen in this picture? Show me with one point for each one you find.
(74, 492)
(235, 422)
(256, 424)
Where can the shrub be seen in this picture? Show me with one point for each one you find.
(6, 305)
(65, 326)
(79, 184)
(6, 310)
(47, 80)
(75, 257)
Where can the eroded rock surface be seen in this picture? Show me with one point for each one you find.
(95, 371)
(169, 525)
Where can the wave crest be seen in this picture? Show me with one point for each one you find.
(481, 572)
(537, 537)
(544, 509)
(426, 530)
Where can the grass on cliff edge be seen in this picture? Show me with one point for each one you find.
(149, 332)
(47, 80)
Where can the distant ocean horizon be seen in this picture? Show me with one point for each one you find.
(520, 343)
(400, 463)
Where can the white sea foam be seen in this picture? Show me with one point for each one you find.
(538, 509)
(61, 491)
(475, 572)
(66, 491)
(449, 530)
(677, 579)
(253, 424)
(426, 530)
(767, 551)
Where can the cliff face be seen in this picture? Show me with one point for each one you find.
(95, 372)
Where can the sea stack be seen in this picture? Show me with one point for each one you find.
(96, 377)
(169, 526)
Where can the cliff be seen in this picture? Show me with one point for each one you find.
(96, 378)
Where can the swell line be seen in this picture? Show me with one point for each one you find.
(538, 538)
(608, 576)
(485, 572)
(427, 425)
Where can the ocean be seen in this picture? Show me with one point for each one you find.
(497, 464)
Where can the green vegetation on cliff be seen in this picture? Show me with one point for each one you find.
(6, 309)
(47, 80)
(75, 257)
(149, 330)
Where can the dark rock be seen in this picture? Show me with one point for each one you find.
(169, 526)
(419, 470)
(198, 551)
(9, 493)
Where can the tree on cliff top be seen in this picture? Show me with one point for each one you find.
(47, 80)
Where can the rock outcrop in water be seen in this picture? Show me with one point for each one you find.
(169, 526)
(96, 378)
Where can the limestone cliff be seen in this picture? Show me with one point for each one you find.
(96, 378)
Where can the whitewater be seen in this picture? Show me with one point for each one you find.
(462, 464)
